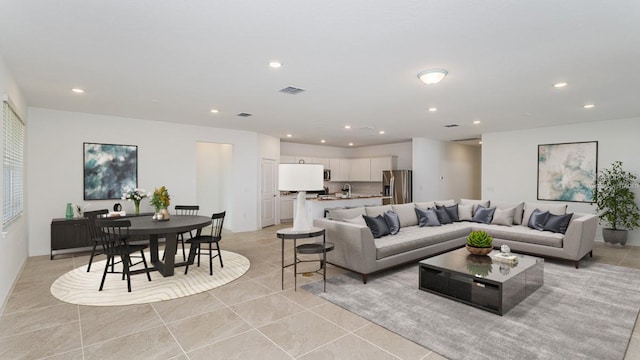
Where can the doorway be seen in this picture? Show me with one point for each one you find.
(268, 193)
(214, 166)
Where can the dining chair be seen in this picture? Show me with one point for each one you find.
(114, 235)
(94, 233)
(184, 210)
(196, 243)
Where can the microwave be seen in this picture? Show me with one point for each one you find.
(327, 175)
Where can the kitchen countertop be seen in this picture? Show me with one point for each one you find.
(353, 197)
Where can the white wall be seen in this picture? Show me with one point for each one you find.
(166, 156)
(214, 166)
(14, 241)
(444, 170)
(509, 166)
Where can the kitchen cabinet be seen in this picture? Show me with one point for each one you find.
(286, 209)
(380, 164)
(360, 169)
(339, 169)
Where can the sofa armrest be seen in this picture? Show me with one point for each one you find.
(354, 247)
(580, 235)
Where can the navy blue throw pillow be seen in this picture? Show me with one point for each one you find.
(538, 219)
(377, 225)
(393, 221)
(483, 215)
(443, 215)
(427, 217)
(558, 223)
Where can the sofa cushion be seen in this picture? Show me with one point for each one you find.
(474, 203)
(522, 233)
(377, 210)
(555, 209)
(427, 217)
(517, 217)
(465, 212)
(452, 211)
(537, 219)
(356, 220)
(393, 222)
(406, 213)
(503, 216)
(425, 205)
(445, 202)
(377, 225)
(483, 214)
(414, 237)
(342, 214)
(443, 216)
(558, 223)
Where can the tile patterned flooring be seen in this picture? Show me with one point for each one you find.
(249, 318)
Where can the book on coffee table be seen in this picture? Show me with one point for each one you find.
(505, 258)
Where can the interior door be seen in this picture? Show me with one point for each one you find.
(268, 196)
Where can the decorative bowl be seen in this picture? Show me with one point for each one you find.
(478, 250)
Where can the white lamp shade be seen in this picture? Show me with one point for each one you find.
(300, 177)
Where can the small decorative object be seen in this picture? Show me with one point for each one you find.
(80, 209)
(69, 214)
(504, 249)
(160, 199)
(616, 203)
(135, 195)
(117, 207)
(479, 242)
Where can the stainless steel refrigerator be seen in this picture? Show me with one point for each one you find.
(397, 185)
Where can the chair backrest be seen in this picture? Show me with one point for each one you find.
(113, 234)
(91, 216)
(217, 220)
(187, 209)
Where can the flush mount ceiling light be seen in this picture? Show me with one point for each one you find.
(215, 111)
(589, 106)
(381, 132)
(323, 141)
(433, 109)
(275, 64)
(77, 90)
(476, 122)
(560, 85)
(432, 76)
(347, 126)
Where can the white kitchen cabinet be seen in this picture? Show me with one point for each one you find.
(286, 209)
(360, 169)
(378, 165)
(339, 169)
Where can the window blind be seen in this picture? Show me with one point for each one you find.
(13, 165)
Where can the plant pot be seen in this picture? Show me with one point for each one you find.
(478, 250)
(615, 236)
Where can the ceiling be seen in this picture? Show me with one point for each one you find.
(357, 61)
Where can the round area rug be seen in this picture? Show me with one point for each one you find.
(81, 287)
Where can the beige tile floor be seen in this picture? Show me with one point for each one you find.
(250, 318)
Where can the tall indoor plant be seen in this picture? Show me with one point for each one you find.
(616, 202)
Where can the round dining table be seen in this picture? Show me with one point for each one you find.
(144, 226)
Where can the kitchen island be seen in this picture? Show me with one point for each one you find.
(315, 207)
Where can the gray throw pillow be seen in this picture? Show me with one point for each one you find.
(393, 221)
(443, 215)
(377, 225)
(503, 216)
(452, 211)
(538, 219)
(558, 223)
(483, 215)
(427, 217)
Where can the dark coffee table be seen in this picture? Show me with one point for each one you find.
(480, 281)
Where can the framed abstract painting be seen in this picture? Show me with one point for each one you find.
(567, 171)
(108, 170)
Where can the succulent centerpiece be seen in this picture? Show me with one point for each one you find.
(479, 242)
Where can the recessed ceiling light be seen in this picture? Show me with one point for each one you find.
(476, 122)
(215, 111)
(289, 135)
(77, 90)
(275, 64)
(350, 144)
(433, 109)
(432, 76)
(588, 106)
(560, 85)
(347, 126)
(480, 142)
(381, 132)
(323, 141)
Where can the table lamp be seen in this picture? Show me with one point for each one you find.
(301, 178)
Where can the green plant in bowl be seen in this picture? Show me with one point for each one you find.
(479, 242)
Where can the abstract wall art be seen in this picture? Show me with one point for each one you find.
(108, 170)
(567, 172)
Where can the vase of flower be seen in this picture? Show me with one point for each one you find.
(160, 199)
(135, 195)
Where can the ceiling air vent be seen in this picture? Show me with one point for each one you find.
(451, 125)
(244, 114)
(291, 90)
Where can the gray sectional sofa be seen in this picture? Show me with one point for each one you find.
(357, 250)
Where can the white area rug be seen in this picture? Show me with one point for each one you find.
(81, 287)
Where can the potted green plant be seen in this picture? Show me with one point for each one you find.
(479, 242)
(616, 203)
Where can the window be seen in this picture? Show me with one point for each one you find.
(13, 133)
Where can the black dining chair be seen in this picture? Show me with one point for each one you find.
(196, 243)
(114, 235)
(94, 233)
(184, 210)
